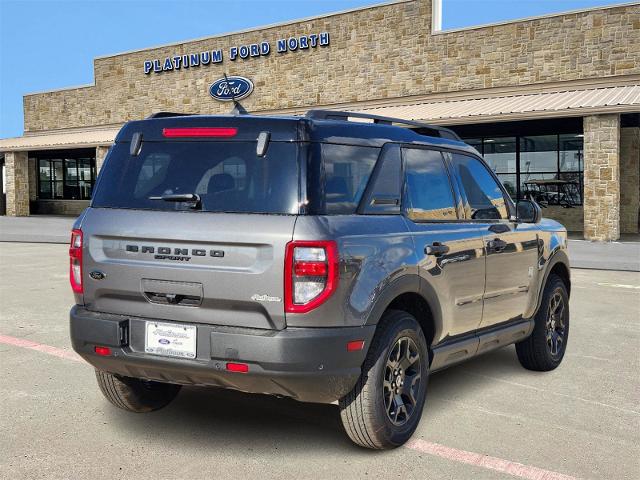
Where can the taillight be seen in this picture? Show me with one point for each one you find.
(75, 260)
(311, 274)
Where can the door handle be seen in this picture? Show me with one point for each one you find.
(497, 245)
(436, 249)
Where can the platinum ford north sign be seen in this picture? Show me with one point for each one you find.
(244, 52)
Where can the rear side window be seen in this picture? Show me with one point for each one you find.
(485, 198)
(228, 177)
(338, 176)
(428, 195)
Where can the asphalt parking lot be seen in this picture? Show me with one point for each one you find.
(488, 418)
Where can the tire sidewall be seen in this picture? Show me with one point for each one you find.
(407, 327)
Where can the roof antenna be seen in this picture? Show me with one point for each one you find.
(237, 108)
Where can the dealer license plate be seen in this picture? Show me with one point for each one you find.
(170, 340)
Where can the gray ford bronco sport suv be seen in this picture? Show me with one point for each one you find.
(335, 257)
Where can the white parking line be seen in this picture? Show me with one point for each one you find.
(40, 347)
(617, 285)
(485, 461)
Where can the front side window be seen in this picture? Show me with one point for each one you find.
(484, 196)
(428, 195)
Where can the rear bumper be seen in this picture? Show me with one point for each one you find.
(308, 364)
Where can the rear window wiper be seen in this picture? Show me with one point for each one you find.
(192, 198)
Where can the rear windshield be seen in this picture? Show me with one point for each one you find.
(228, 177)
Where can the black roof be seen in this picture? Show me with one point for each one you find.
(317, 126)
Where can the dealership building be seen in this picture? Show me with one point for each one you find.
(552, 102)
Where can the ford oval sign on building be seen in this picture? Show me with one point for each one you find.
(225, 89)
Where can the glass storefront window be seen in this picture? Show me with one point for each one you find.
(548, 168)
(500, 154)
(571, 155)
(538, 154)
(510, 182)
(66, 178)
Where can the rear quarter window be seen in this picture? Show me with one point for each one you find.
(338, 177)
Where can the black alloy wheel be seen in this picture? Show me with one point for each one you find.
(555, 324)
(401, 381)
(544, 349)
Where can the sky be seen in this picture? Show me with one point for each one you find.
(50, 44)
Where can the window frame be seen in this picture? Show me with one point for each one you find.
(452, 186)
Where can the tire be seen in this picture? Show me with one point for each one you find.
(134, 394)
(544, 349)
(368, 411)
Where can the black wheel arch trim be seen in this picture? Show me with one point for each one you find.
(556, 257)
(409, 283)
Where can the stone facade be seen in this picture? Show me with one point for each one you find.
(629, 179)
(17, 177)
(60, 207)
(33, 180)
(101, 152)
(602, 177)
(571, 218)
(382, 52)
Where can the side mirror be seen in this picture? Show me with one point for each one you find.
(528, 211)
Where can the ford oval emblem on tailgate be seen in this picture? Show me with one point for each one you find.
(96, 275)
(222, 89)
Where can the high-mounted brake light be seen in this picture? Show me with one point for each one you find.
(75, 260)
(310, 274)
(199, 132)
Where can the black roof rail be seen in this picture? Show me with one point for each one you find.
(342, 115)
(168, 114)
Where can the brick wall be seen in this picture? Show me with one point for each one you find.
(629, 179)
(381, 52)
(602, 177)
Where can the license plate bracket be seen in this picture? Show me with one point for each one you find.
(170, 340)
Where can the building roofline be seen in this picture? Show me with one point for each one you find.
(61, 89)
(258, 28)
(536, 17)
